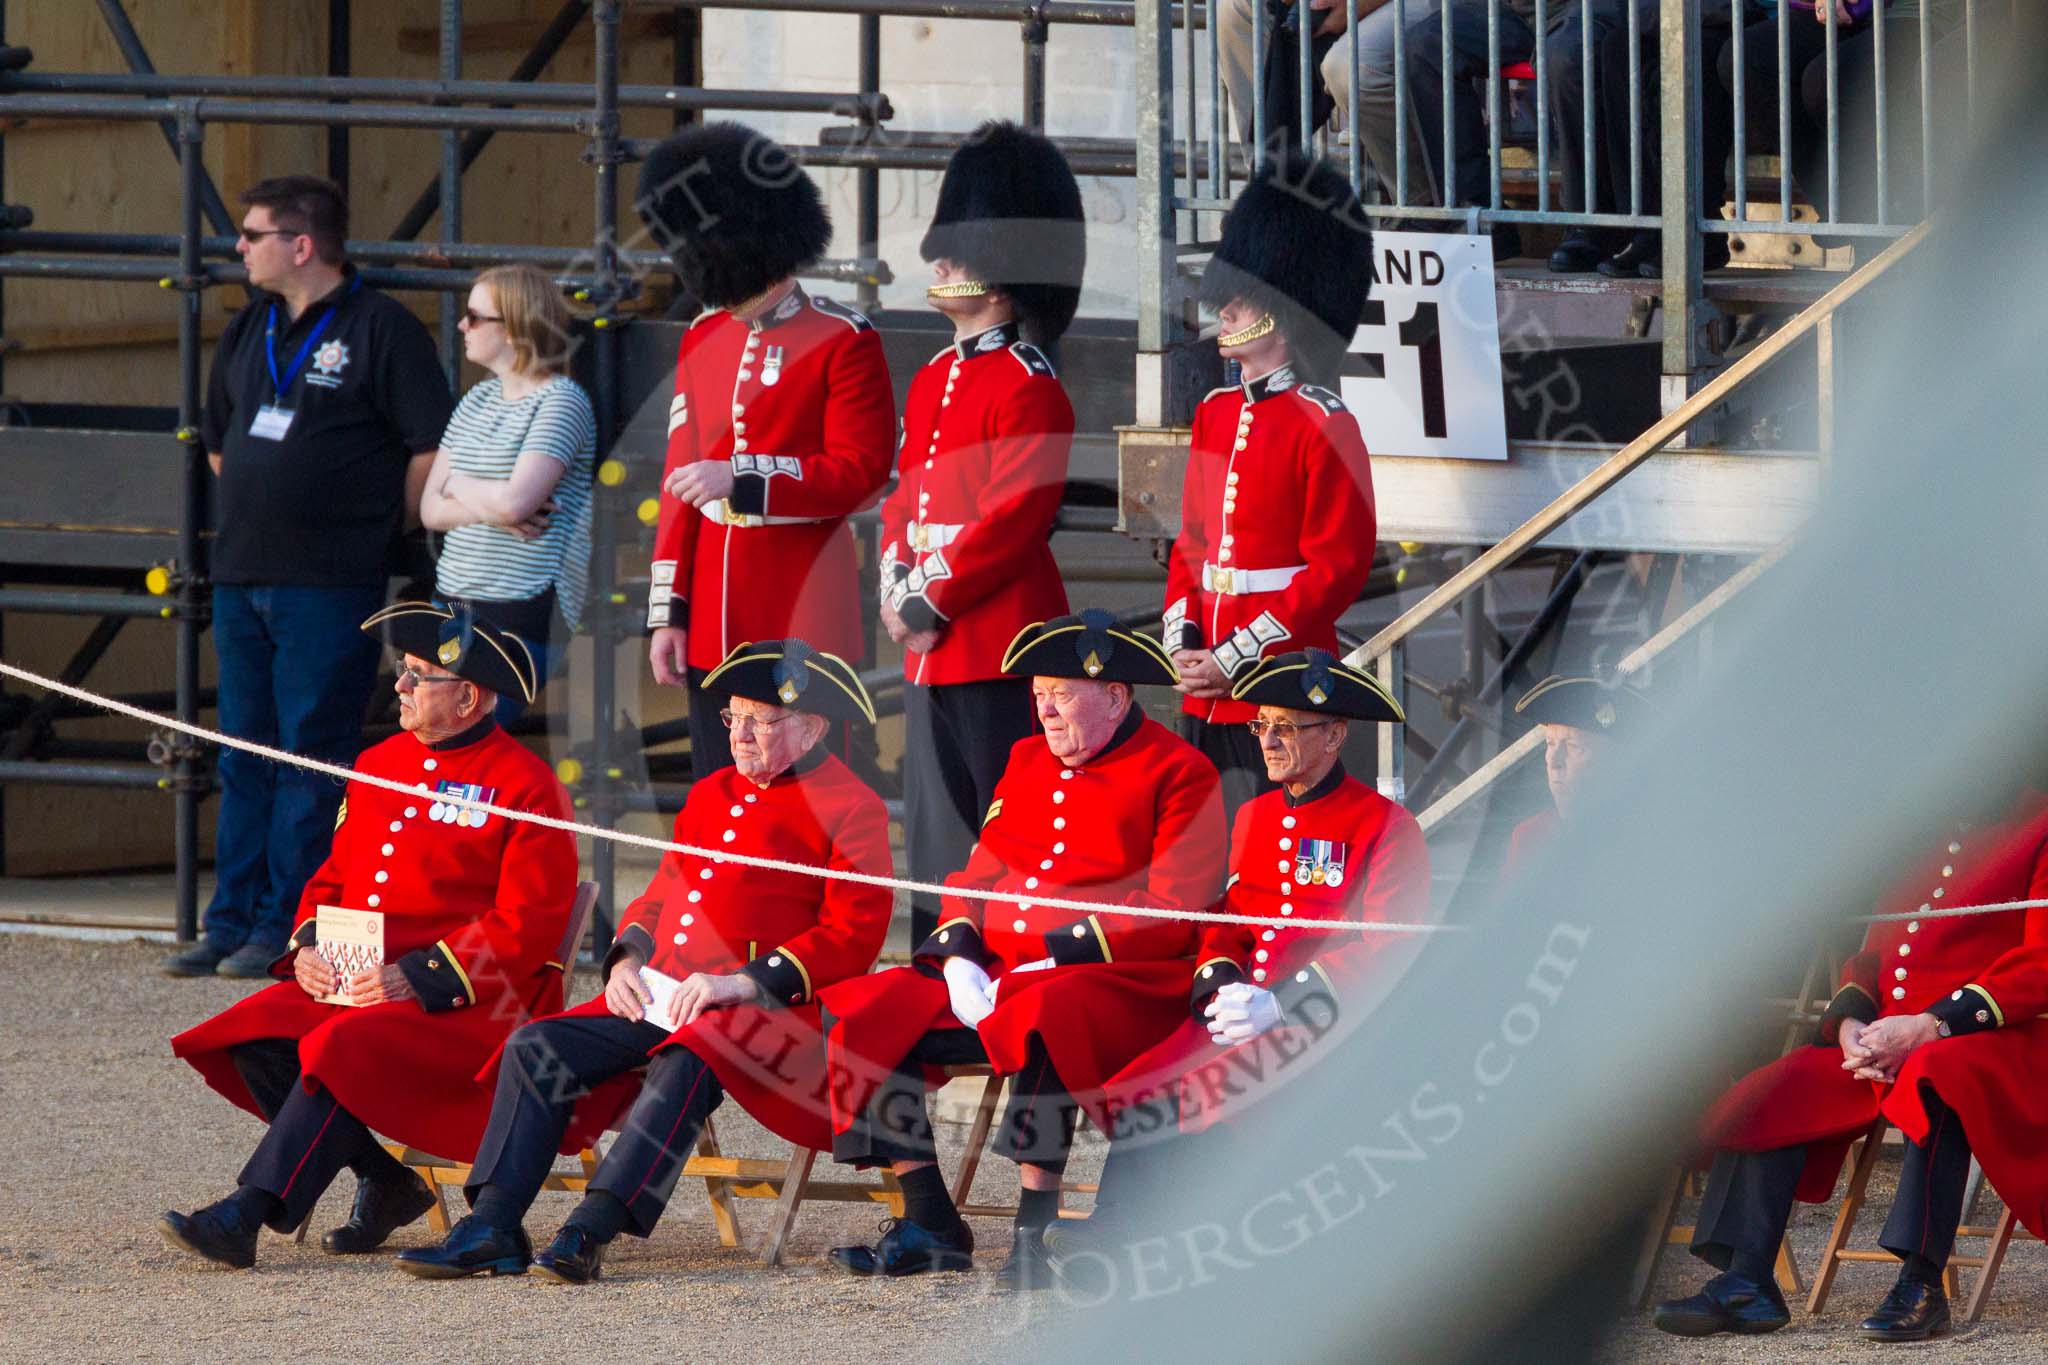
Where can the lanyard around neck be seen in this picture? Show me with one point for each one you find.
(279, 383)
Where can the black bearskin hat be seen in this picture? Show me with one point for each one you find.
(1010, 212)
(733, 208)
(1298, 244)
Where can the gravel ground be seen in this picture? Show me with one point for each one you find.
(105, 1130)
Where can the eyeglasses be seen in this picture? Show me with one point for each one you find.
(412, 677)
(1282, 730)
(734, 720)
(474, 318)
(255, 235)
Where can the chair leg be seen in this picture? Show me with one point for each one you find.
(1994, 1259)
(1657, 1232)
(977, 1139)
(1845, 1221)
(299, 1236)
(796, 1181)
(1788, 1271)
(722, 1211)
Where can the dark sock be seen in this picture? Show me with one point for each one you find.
(1757, 1267)
(925, 1201)
(1919, 1268)
(602, 1214)
(1037, 1208)
(498, 1209)
(378, 1165)
(249, 1207)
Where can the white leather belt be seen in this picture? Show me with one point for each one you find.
(1238, 582)
(716, 512)
(927, 536)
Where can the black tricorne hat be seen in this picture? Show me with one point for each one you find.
(1317, 680)
(455, 639)
(1010, 211)
(1602, 705)
(1090, 645)
(1298, 244)
(733, 208)
(791, 673)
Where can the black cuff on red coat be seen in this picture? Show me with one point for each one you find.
(1211, 977)
(437, 979)
(957, 938)
(1850, 1002)
(781, 977)
(919, 614)
(678, 614)
(1969, 1010)
(749, 495)
(1307, 997)
(1190, 637)
(633, 939)
(307, 935)
(1081, 941)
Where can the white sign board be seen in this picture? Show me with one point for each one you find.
(1423, 372)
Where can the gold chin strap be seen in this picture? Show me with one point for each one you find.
(1258, 329)
(965, 289)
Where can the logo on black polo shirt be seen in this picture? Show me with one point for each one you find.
(328, 363)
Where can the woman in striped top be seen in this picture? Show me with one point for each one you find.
(511, 485)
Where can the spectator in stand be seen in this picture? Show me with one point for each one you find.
(322, 415)
(512, 483)
(1567, 81)
(1581, 718)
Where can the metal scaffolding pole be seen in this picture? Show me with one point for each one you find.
(189, 782)
(451, 190)
(605, 155)
(137, 57)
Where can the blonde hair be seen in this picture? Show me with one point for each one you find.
(536, 320)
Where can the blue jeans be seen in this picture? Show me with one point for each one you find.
(295, 673)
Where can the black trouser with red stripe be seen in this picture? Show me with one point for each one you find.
(549, 1066)
(1749, 1198)
(312, 1138)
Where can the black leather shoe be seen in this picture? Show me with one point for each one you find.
(198, 960)
(1575, 255)
(381, 1208)
(1726, 1303)
(1084, 1254)
(908, 1249)
(1026, 1267)
(472, 1247)
(250, 962)
(1913, 1311)
(1641, 259)
(574, 1257)
(212, 1232)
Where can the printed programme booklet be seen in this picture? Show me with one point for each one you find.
(352, 941)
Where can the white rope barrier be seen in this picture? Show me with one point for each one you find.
(1950, 912)
(1084, 907)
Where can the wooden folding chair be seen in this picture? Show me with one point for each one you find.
(977, 1143)
(1837, 1250)
(2001, 1234)
(1664, 1230)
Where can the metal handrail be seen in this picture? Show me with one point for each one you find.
(1816, 318)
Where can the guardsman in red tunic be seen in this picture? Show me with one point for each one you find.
(1277, 524)
(1894, 1039)
(1581, 718)
(710, 986)
(781, 426)
(966, 559)
(1107, 807)
(1322, 845)
(474, 906)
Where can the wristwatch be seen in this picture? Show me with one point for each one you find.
(1941, 1029)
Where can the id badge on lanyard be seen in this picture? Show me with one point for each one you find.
(273, 421)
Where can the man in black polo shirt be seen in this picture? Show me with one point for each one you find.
(324, 411)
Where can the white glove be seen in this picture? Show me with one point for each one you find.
(1240, 1013)
(971, 991)
(1037, 966)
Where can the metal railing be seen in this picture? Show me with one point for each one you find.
(1192, 158)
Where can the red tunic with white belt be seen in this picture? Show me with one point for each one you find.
(475, 908)
(1139, 824)
(1987, 975)
(793, 933)
(1340, 851)
(1276, 529)
(987, 429)
(799, 403)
